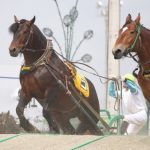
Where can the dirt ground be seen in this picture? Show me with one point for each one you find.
(72, 142)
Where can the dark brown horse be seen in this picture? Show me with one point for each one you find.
(39, 77)
(133, 37)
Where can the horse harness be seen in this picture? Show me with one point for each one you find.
(145, 73)
(44, 60)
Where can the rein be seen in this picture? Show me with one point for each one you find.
(40, 60)
(73, 63)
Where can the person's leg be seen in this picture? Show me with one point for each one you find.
(136, 121)
(123, 128)
(133, 129)
(136, 118)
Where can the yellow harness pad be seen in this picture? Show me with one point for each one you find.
(81, 84)
(25, 68)
(80, 81)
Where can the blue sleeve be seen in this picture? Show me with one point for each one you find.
(132, 87)
(111, 89)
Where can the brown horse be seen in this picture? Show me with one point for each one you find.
(133, 37)
(40, 76)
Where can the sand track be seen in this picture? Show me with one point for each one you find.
(68, 142)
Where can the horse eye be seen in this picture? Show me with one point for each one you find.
(131, 32)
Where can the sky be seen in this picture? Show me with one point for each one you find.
(46, 14)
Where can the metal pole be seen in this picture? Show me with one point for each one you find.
(113, 28)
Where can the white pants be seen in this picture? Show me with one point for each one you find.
(133, 129)
(136, 122)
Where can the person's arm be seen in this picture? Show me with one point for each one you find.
(132, 87)
(111, 89)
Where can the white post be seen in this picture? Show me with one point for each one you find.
(113, 28)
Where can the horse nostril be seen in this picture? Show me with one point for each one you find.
(12, 50)
(117, 51)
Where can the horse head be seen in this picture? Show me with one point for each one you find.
(22, 30)
(127, 38)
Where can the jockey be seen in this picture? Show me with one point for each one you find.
(133, 105)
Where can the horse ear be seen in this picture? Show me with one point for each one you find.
(32, 20)
(137, 20)
(16, 20)
(128, 18)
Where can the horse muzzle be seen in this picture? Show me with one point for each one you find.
(118, 54)
(14, 52)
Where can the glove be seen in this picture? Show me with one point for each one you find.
(111, 89)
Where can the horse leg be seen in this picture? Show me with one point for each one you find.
(67, 127)
(52, 125)
(86, 124)
(86, 127)
(50, 95)
(24, 123)
(92, 130)
(81, 129)
(64, 123)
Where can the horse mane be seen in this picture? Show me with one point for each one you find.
(14, 27)
(146, 28)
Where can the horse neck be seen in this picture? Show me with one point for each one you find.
(37, 42)
(56, 62)
(144, 51)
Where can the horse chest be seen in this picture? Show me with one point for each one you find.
(30, 86)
